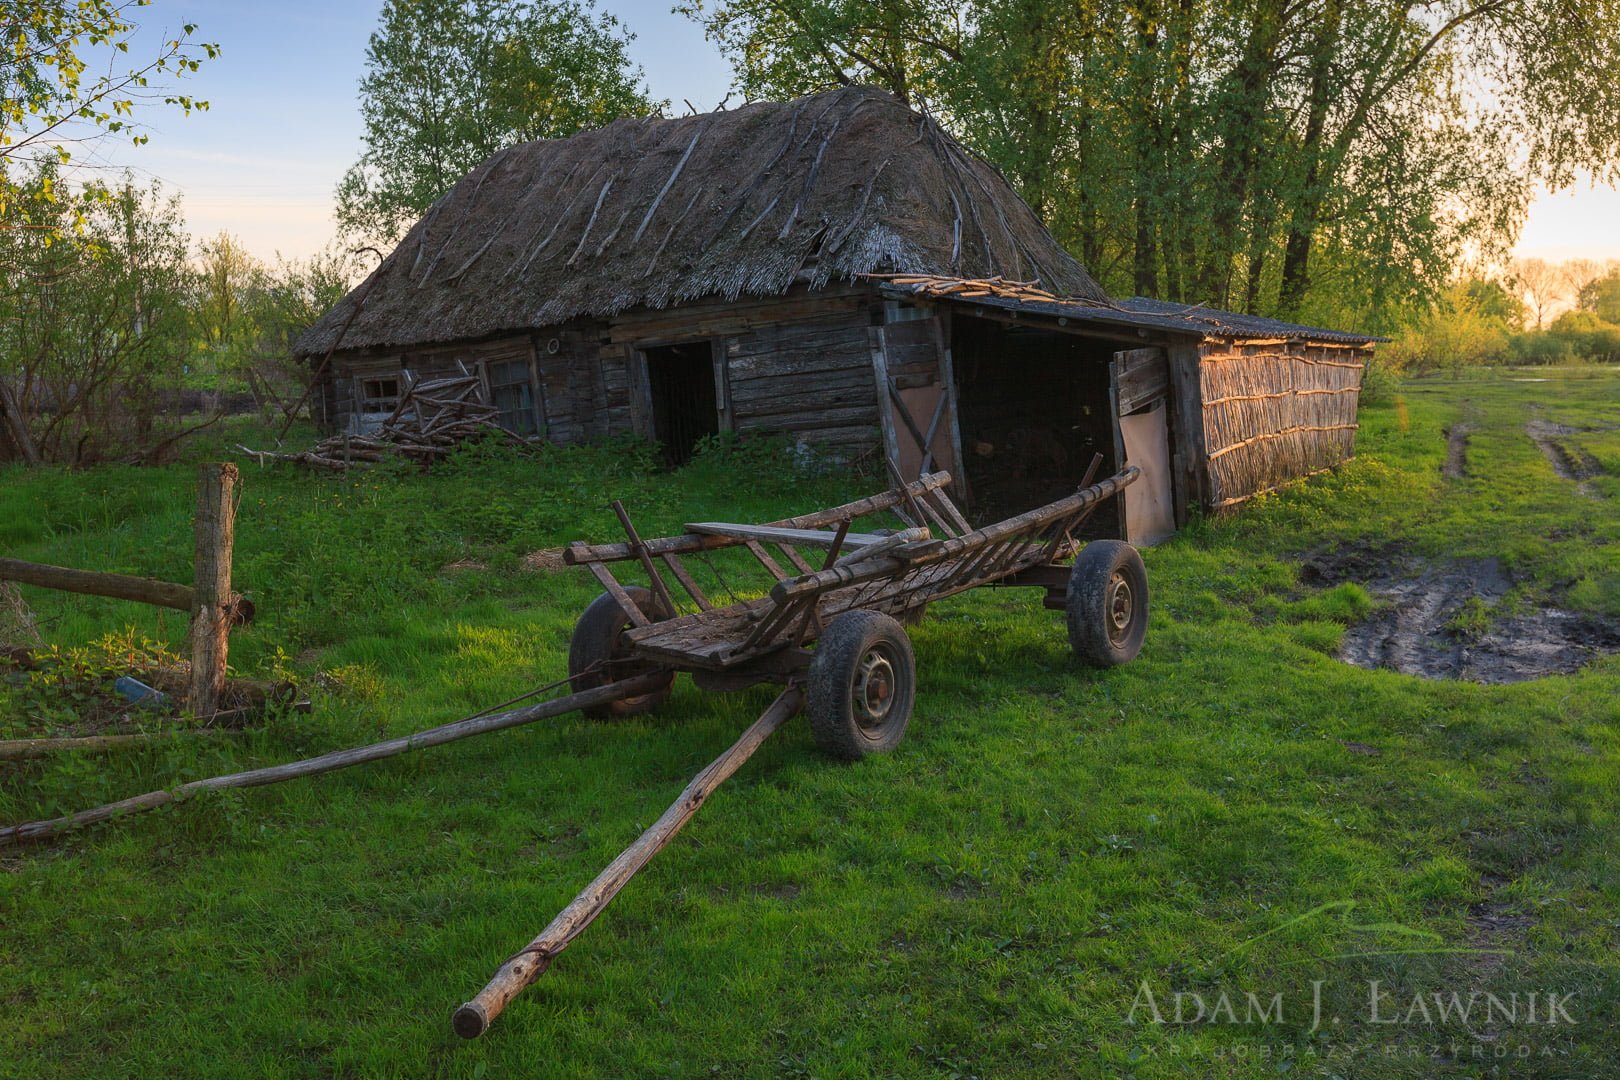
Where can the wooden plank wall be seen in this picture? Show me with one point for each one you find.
(1274, 411)
(797, 365)
(811, 379)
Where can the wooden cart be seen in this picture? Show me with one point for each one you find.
(861, 675)
(857, 683)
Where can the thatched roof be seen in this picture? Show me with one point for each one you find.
(724, 204)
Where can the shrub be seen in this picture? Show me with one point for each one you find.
(1457, 332)
(1588, 335)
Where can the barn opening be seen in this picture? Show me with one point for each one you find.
(680, 381)
(1033, 406)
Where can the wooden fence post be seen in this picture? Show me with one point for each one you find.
(211, 584)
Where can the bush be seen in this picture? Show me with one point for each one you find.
(1541, 348)
(1588, 335)
(1457, 332)
(1378, 381)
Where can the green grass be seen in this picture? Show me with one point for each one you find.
(1235, 812)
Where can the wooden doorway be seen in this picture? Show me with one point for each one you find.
(680, 386)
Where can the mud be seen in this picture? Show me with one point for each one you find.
(1456, 466)
(1567, 459)
(1426, 609)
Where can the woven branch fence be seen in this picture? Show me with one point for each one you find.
(1276, 411)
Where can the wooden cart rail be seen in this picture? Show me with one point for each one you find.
(900, 578)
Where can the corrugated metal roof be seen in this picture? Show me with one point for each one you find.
(1233, 324)
(1136, 313)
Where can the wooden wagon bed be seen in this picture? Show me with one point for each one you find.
(893, 571)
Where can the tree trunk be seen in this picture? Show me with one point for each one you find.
(1250, 91)
(1302, 220)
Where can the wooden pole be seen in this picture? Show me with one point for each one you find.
(340, 759)
(15, 749)
(474, 1018)
(211, 586)
(118, 586)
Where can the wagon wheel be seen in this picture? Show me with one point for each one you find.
(1107, 605)
(863, 681)
(598, 654)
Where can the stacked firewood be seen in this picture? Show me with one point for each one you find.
(431, 419)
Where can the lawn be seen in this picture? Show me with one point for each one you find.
(1331, 859)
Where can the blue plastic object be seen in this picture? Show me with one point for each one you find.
(139, 694)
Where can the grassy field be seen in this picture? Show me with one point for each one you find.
(1022, 889)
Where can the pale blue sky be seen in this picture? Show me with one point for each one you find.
(284, 121)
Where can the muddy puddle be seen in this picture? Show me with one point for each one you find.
(1439, 620)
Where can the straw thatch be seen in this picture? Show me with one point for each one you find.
(725, 204)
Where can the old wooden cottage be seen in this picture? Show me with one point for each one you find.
(839, 271)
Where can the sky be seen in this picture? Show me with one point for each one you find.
(284, 121)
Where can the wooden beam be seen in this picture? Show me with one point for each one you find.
(809, 537)
(94, 583)
(530, 962)
(340, 759)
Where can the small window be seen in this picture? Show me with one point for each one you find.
(512, 394)
(379, 395)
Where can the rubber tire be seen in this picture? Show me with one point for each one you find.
(1089, 603)
(837, 663)
(597, 638)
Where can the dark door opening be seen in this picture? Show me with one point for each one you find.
(1034, 408)
(680, 379)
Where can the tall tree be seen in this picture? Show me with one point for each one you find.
(93, 326)
(227, 272)
(1540, 284)
(449, 82)
(1296, 155)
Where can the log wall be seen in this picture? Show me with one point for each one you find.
(1274, 411)
(810, 379)
(797, 365)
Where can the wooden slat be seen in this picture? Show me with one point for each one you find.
(811, 537)
(792, 555)
(758, 551)
(579, 553)
(611, 584)
(692, 588)
(1142, 377)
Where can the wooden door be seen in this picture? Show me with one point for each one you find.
(916, 399)
(1140, 387)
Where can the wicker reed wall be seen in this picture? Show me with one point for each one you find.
(1275, 411)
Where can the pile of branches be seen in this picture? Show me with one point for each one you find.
(936, 285)
(431, 419)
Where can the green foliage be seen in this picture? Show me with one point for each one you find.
(1574, 336)
(1466, 327)
(70, 687)
(1601, 296)
(1379, 380)
(1588, 335)
(449, 82)
(94, 324)
(52, 97)
(1315, 158)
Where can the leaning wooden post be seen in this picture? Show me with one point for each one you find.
(211, 586)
